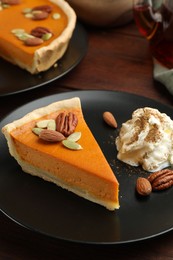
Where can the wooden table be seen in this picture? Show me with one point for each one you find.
(117, 59)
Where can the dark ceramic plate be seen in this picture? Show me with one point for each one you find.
(50, 210)
(15, 80)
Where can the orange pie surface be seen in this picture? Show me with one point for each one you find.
(13, 17)
(85, 172)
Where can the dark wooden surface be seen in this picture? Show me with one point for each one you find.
(117, 59)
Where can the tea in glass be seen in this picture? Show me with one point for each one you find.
(154, 20)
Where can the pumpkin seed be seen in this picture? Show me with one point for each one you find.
(27, 10)
(5, 6)
(74, 137)
(51, 125)
(56, 16)
(29, 15)
(43, 123)
(18, 31)
(71, 145)
(24, 36)
(21, 34)
(46, 36)
(37, 130)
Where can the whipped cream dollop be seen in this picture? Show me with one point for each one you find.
(147, 140)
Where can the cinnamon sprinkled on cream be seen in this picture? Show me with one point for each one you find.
(146, 140)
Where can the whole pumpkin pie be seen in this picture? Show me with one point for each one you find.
(55, 143)
(35, 34)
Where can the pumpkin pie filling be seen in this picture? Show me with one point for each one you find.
(13, 17)
(84, 172)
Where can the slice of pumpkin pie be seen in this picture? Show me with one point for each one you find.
(55, 143)
(35, 34)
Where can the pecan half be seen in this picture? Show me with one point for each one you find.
(162, 179)
(45, 8)
(40, 31)
(66, 123)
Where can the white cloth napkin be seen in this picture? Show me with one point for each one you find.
(163, 75)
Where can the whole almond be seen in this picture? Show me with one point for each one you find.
(33, 41)
(143, 186)
(39, 15)
(110, 119)
(51, 136)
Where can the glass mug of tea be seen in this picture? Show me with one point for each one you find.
(154, 19)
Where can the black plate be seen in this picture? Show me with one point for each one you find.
(14, 79)
(45, 208)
